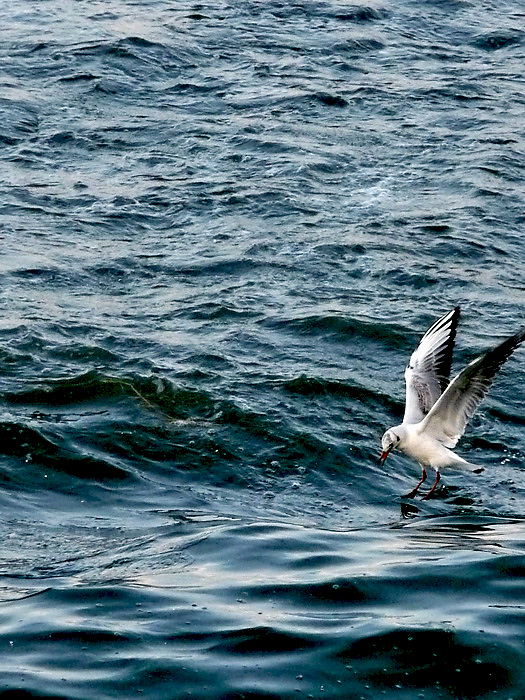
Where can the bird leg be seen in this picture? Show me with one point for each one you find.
(436, 482)
(415, 490)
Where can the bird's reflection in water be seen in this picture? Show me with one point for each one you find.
(409, 510)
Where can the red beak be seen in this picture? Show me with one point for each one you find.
(385, 454)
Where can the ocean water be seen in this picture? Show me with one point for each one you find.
(224, 227)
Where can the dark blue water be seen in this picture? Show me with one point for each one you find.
(224, 227)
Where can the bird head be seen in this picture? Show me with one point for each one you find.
(389, 442)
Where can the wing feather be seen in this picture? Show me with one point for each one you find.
(428, 371)
(449, 416)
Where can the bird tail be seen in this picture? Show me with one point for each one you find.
(468, 467)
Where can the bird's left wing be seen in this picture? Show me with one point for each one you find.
(427, 373)
(449, 416)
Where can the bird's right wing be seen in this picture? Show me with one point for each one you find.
(450, 415)
(429, 368)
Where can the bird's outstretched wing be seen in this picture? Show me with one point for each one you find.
(449, 416)
(427, 373)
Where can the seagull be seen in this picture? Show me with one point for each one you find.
(437, 411)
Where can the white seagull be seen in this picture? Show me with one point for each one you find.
(437, 411)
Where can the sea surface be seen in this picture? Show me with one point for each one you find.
(224, 227)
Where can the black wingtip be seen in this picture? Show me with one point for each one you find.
(455, 319)
(514, 341)
(520, 336)
(450, 318)
(494, 358)
(446, 362)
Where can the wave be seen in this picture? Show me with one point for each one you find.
(343, 326)
(38, 448)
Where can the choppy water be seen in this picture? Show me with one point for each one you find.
(224, 227)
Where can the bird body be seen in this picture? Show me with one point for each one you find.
(424, 448)
(437, 411)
